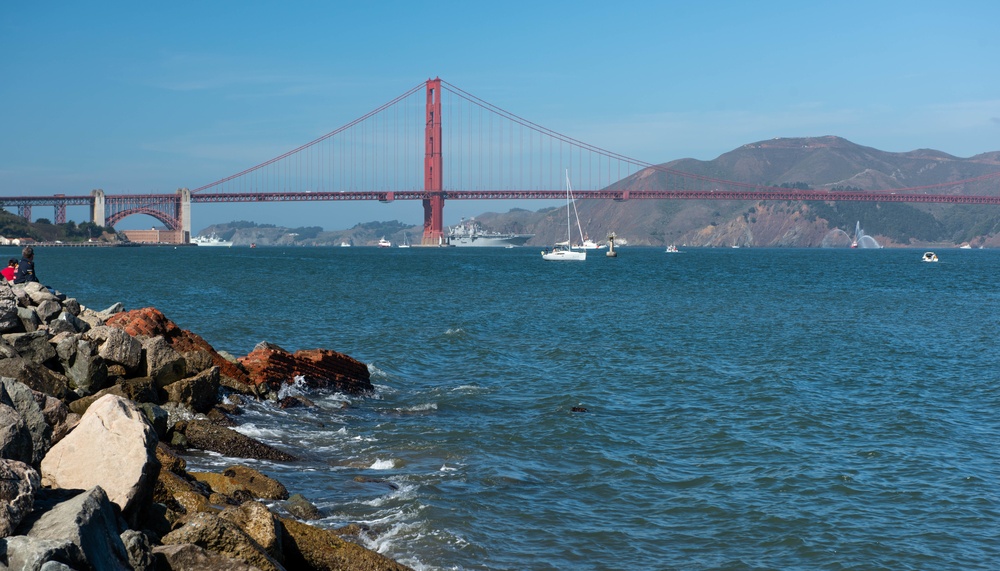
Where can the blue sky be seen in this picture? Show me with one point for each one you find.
(144, 97)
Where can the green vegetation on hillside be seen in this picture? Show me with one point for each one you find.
(900, 222)
(43, 230)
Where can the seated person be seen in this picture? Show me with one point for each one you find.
(26, 267)
(8, 272)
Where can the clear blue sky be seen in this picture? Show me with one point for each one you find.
(149, 97)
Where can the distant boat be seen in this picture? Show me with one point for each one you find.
(562, 250)
(966, 246)
(929, 257)
(589, 244)
(406, 241)
(383, 243)
(211, 240)
(671, 249)
(345, 244)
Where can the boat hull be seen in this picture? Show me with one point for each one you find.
(480, 241)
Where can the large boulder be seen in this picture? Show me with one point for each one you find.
(217, 534)
(87, 522)
(308, 547)
(38, 293)
(317, 368)
(113, 446)
(18, 484)
(190, 557)
(238, 478)
(116, 346)
(200, 392)
(259, 523)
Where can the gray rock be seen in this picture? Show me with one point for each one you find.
(29, 319)
(91, 317)
(88, 521)
(38, 293)
(18, 484)
(25, 552)
(48, 310)
(72, 306)
(69, 323)
(300, 507)
(37, 377)
(198, 361)
(15, 440)
(8, 308)
(200, 392)
(156, 416)
(33, 346)
(6, 351)
(163, 363)
(117, 346)
(86, 371)
(23, 399)
(139, 549)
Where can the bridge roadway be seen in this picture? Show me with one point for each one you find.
(172, 210)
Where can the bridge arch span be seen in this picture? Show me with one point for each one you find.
(170, 222)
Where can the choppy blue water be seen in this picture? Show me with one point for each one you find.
(748, 409)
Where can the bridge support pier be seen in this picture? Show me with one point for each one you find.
(433, 206)
(97, 208)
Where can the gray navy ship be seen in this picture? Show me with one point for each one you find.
(472, 233)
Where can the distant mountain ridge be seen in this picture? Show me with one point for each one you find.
(827, 162)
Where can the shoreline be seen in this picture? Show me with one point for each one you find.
(102, 405)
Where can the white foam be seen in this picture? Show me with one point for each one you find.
(383, 465)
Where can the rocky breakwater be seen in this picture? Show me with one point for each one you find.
(96, 408)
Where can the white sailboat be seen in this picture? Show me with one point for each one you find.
(562, 250)
(406, 241)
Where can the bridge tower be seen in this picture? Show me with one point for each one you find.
(184, 215)
(433, 206)
(97, 208)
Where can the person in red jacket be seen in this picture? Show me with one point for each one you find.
(8, 272)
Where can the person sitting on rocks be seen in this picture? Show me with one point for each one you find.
(26, 267)
(8, 272)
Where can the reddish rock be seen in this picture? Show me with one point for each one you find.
(318, 368)
(150, 322)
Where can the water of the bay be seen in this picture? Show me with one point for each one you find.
(746, 408)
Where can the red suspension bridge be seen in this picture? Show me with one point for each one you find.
(398, 152)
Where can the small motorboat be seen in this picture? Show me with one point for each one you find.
(671, 249)
(383, 243)
(929, 257)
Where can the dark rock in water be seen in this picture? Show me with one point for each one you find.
(578, 409)
(300, 507)
(217, 416)
(317, 368)
(204, 435)
(367, 480)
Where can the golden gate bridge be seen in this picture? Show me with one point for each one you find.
(397, 152)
